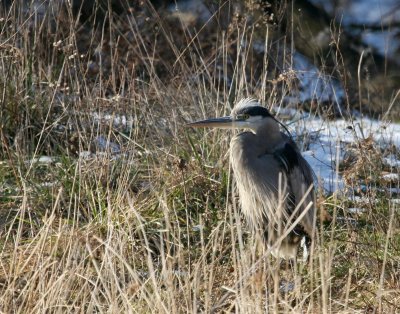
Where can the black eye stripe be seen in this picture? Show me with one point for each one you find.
(255, 111)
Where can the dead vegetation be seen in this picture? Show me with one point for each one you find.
(107, 204)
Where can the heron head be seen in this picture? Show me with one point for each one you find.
(247, 114)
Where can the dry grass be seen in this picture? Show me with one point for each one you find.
(154, 227)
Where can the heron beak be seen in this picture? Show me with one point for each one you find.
(221, 123)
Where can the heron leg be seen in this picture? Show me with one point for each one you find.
(306, 246)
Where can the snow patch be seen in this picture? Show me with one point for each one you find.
(324, 145)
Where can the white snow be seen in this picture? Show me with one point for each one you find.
(356, 210)
(391, 177)
(118, 121)
(392, 161)
(41, 160)
(326, 141)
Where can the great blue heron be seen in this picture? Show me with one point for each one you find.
(275, 183)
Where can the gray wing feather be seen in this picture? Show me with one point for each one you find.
(300, 178)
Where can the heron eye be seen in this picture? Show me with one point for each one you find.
(244, 116)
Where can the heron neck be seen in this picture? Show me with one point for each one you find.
(269, 137)
(256, 143)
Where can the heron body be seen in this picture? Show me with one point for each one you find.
(275, 183)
